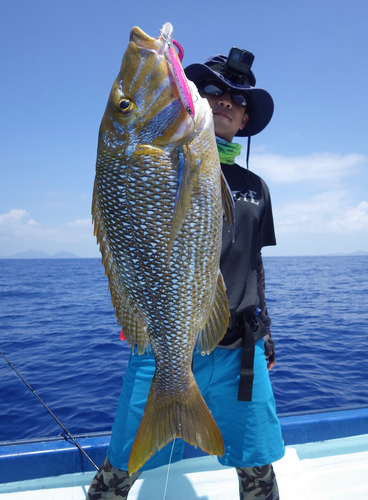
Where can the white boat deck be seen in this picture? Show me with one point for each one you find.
(336, 470)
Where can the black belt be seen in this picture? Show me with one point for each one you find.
(246, 366)
(251, 328)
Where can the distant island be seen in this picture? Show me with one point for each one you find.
(358, 252)
(37, 254)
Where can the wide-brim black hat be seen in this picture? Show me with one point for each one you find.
(261, 103)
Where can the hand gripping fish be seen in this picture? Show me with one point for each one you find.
(158, 205)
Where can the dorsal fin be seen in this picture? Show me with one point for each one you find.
(217, 323)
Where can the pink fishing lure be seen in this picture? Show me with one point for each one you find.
(181, 82)
(178, 72)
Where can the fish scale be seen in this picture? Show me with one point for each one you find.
(160, 238)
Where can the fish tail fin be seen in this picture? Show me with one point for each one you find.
(164, 419)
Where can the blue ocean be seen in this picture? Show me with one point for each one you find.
(58, 329)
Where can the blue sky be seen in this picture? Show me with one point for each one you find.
(59, 60)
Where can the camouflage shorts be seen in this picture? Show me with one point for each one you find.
(257, 483)
(111, 483)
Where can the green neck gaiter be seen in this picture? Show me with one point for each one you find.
(228, 151)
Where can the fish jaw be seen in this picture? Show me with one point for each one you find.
(144, 41)
(144, 105)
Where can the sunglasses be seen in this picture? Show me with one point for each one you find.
(218, 90)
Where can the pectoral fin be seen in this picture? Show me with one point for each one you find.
(188, 166)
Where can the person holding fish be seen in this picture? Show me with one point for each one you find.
(183, 282)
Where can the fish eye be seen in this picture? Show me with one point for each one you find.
(124, 105)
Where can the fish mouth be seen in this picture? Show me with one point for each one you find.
(144, 41)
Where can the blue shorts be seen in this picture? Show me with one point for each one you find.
(251, 430)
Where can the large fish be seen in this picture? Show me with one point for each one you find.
(158, 215)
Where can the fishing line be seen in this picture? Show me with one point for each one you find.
(168, 468)
(48, 409)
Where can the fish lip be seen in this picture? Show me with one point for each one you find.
(142, 40)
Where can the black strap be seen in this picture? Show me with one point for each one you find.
(246, 367)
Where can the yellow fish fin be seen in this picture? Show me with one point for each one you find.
(127, 311)
(189, 165)
(217, 323)
(165, 418)
(133, 323)
(228, 205)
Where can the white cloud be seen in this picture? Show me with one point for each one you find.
(81, 223)
(354, 220)
(17, 223)
(18, 231)
(329, 212)
(321, 168)
(14, 217)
